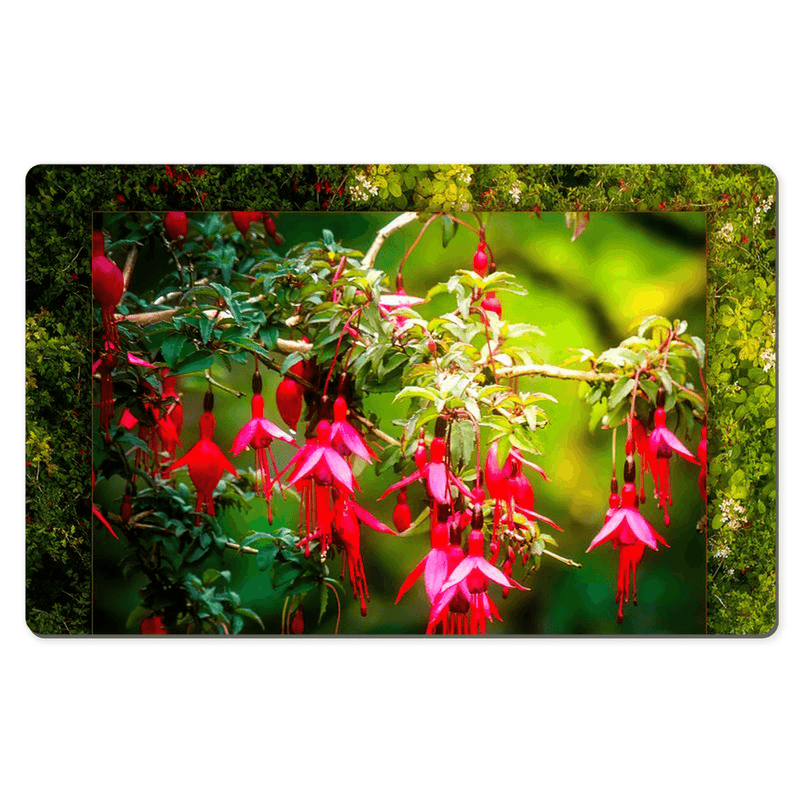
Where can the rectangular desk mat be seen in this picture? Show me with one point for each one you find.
(401, 400)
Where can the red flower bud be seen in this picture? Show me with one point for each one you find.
(176, 224)
(289, 399)
(480, 261)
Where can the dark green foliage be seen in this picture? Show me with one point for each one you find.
(740, 204)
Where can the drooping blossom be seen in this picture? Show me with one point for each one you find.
(640, 443)
(318, 470)
(436, 473)
(471, 577)
(663, 443)
(345, 439)
(390, 304)
(347, 519)
(206, 462)
(258, 434)
(108, 286)
(244, 219)
(702, 457)
(629, 532)
(434, 564)
(508, 485)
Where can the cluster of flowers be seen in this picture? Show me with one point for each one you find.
(625, 527)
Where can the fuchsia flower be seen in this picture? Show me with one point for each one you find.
(508, 484)
(628, 531)
(259, 433)
(318, 459)
(401, 516)
(389, 303)
(434, 563)
(702, 456)
(435, 473)
(206, 462)
(347, 518)
(319, 470)
(345, 439)
(662, 444)
(471, 578)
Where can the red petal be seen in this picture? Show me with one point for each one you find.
(607, 531)
(640, 527)
(437, 482)
(435, 572)
(368, 519)
(411, 579)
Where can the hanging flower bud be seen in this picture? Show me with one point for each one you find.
(402, 512)
(491, 303)
(176, 224)
(480, 261)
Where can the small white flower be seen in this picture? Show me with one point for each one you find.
(732, 514)
(726, 232)
(767, 359)
(515, 192)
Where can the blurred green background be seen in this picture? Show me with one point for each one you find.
(588, 293)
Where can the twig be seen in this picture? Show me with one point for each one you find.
(222, 386)
(146, 317)
(130, 263)
(555, 372)
(241, 548)
(568, 561)
(387, 230)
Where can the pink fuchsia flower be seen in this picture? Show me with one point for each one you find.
(629, 532)
(318, 471)
(176, 224)
(392, 304)
(258, 434)
(640, 442)
(206, 462)
(472, 577)
(702, 457)
(434, 564)
(318, 460)
(662, 444)
(347, 519)
(345, 439)
(108, 286)
(435, 474)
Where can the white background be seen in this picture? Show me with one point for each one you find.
(417, 82)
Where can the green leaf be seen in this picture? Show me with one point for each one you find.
(619, 391)
(196, 362)
(449, 229)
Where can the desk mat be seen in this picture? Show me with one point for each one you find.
(400, 400)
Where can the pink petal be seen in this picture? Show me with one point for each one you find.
(313, 458)
(368, 519)
(352, 440)
(339, 467)
(492, 573)
(677, 445)
(244, 437)
(532, 514)
(435, 572)
(607, 531)
(460, 572)
(274, 431)
(459, 484)
(139, 362)
(411, 579)
(440, 606)
(437, 481)
(400, 484)
(640, 527)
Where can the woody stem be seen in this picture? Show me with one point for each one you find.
(550, 371)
